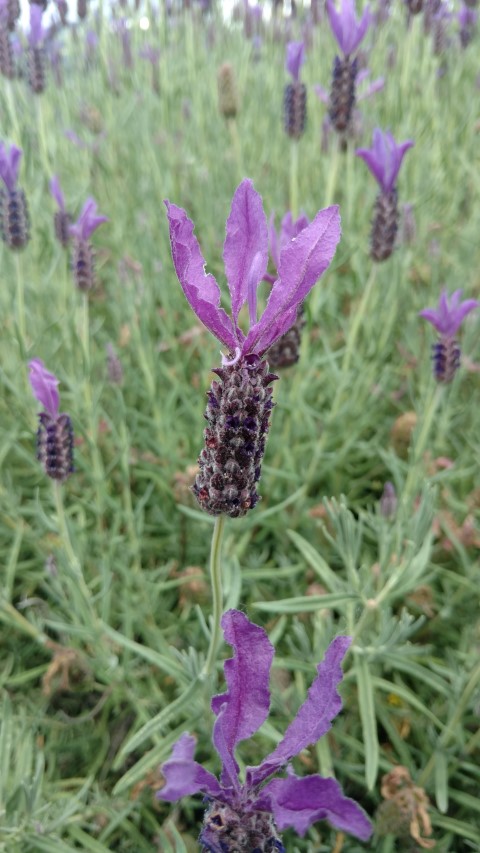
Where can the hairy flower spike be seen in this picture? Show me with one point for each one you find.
(447, 319)
(83, 256)
(227, 91)
(55, 432)
(14, 217)
(240, 404)
(7, 63)
(295, 109)
(342, 94)
(246, 817)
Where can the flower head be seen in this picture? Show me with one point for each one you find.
(294, 58)
(245, 256)
(346, 27)
(9, 165)
(384, 158)
(37, 32)
(449, 315)
(240, 711)
(88, 221)
(55, 433)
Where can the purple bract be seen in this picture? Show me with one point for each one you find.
(451, 312)
(245, 255)
(88, 221)
(346, 27)
(384, 158)
(240, 711)
(295, 57)
(57, 193)
(37, 33)
(9, 165)
(44, 386)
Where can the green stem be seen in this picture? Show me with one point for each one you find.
(237, 149)
(217, 594)
(294, 178)
(39, 104)
(414, 472)
(23, 624)
(64, 533)
(98, 476)
(333, 163)
(21, 306)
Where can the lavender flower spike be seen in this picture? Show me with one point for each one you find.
(37, 32)
(55, 433)
(295, 57)
(247, 815)
(83, 257)
(347, 29)
(9, 165)
(384, 159)
(14, 218)
(62, 218)
(447, 319)
(239, 405)
(295, 93)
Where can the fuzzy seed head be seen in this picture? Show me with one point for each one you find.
(446, 359)
(238, 416)
(14, 218)
(342, 94)
(227, 91)
(295, 109)
(55, 445)
(384, 225)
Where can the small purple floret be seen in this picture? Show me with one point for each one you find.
(293, 801)
(57, 193)
(384, 158)
(294, 59)
(347, 29)
(88, 221)
(451, 312)
(9, 165)
(44, 386)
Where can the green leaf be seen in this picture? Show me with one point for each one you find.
(366, 703)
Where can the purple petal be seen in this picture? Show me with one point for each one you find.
(246, 244)
(184, 776)
(372, 89)
(37, 32)
(302, 263)
(273, 241)
(244, 707)
(201, 290)
(88, 221)
(57, 193)
(345, 26)
(322, 93)
(315, 716)
(9, 165)
(295, 57)
(298, 803)
(384, 158)
(44, 386)
(449, 315)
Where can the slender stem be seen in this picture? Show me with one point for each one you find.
(96, 460)
(333, 163)
(39, 104)
(414, 471)
(22, 623)
(217, 593)
(64, 534)
(20, 305)
(237, 149)
(294, 178)
(358, 320)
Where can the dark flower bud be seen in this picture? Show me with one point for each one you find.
(227, 91)
(229, 831)
(55, 445)
(82, 8)
(13, 13)
(36, 69)
(83, 266)
(62, 221)
(238, 416)
(286, 351)
(342, 94)
(446, 359)
(14, 218)
(414, 6)
(295, 109)
(384, 225)
(7, 63)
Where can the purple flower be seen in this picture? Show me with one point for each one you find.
(346, 27)
(245, 256)
(88, 221)
(44, 386)
(295, 57)
(247, 808)
(449, 315)
(384, 158)
(37, 33)
(57, 193)
(9, 165)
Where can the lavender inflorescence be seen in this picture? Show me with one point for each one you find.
(342, 94)
(238, 415)
(7, 63)
(14, 218)
(83, 264)
(384, 225)
(227, 830)
(36, 68)
(55, 445)
(295, 109)
(446, 359)
(61, 223)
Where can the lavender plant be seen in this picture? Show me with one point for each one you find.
(36, 50)
(349, 32)
(295, 93)
(55, 432)
(14, 216)
(384, 160)
(447, 319)
(62, 218)
(248, 815)
(83, 266)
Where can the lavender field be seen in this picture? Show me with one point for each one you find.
(239, 609)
